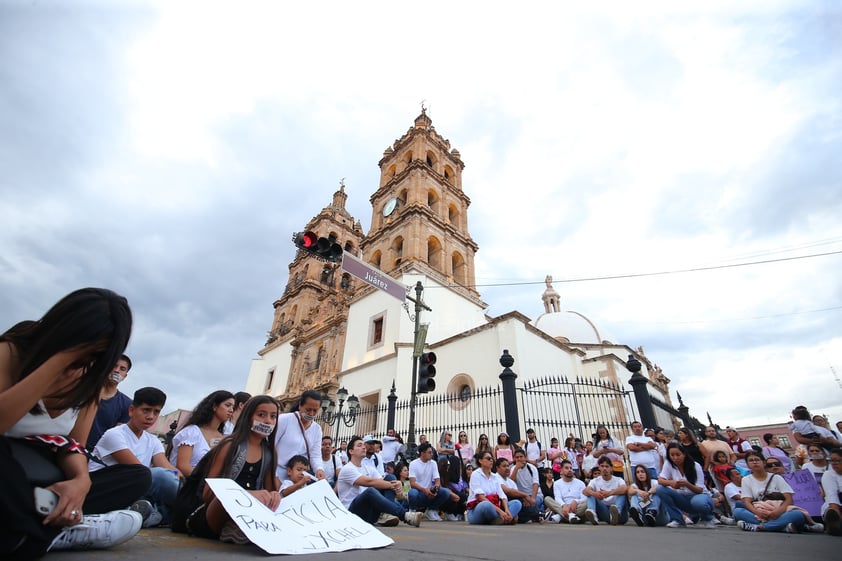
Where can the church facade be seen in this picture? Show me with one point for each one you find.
(331, 330)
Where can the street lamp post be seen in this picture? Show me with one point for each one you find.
(332, 414)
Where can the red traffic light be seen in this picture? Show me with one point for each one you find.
(322, 248)
(307, 240)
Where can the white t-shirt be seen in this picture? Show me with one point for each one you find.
(425, 473)
(390, 450)
(191, 435)
(669, 472)
(645, 458)
(818, 472)
(752, 488)
(533, 452)
(482, 485)
(345, 487)
(832, 485)
(289, 441)
(31, 425)
(731, 491)
(375, 462)
(600, 484)
(121, 437)
(566, 492)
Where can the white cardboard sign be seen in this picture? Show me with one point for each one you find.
(311, 520)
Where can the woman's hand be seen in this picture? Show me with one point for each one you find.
(270, 499)
(507, 518)
(71, 495)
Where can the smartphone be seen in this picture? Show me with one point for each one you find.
(45, 501)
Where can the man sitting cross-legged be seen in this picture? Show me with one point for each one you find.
(568, 498)
(425, 484)
(607, 496)
(363, 492)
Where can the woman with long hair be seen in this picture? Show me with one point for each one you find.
(483, 445)
(487, 503)
(465, 449)
(446, 445)
(297, 433)
(51, 374)
(681, 487)
(773, 449)
(402, 475)
(605, 445)
(504, 447)
(207, 421)
(645, 507)
(767, 498)
(450, 475)
(248, 457)
(691, 446)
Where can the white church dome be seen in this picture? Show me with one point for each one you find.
(569, 326)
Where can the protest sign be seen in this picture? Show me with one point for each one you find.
(311, 520)
(806, 491)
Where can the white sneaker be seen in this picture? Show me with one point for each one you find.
(451, 517)
(412, 518)
(99, 531)
(555, 518)
(727, 520)
(705, 524)
(674, 524)
(817, 527)
(591, 516)
(387, 519)
(432, 515)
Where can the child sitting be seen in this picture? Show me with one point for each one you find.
(297, 475)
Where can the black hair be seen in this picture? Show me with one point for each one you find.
(647, 481)
(499, 461)
(424, 447)
(352, 441)
(565, 462)
(801, 413)
(203, 412)
(605, 460)
(689, 464)
(149, 396)
(95, 320)
(327, 437)
(767, 438)
(125, 357)
(597, 439)
(240, 398)
(298, 459)
(242, 432)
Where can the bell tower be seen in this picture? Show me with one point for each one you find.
(420, 213)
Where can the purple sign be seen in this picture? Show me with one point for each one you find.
(806, 491)
(372, 276)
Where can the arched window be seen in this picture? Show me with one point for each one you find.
(448, 174)
(459, 268)
(397, 251)
(431, 159)
(453, 215)
(375, 258)
(434, 253)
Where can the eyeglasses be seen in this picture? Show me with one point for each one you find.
(774, 465)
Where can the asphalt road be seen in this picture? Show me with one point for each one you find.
(531, 542)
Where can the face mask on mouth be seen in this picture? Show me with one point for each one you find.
(307, 417)
(116, 377)
(264, 429)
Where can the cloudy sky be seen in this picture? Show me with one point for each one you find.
(167, 150)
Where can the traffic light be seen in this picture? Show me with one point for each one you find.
(322, 248)
(426, 373)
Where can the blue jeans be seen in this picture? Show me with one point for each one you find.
(603, 511)
(675, 503)
(485, 512)
(162, 491)
(371, 503)
(420, 501)
(655, 504)
(777, 525)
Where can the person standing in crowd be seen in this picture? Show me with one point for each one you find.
(483, 445)
(51, 374)
(712, 444)
(773, 449)
(681, 487)
(446, 445)
(691, 446)
(504, 447)
(391, 445)
(298, 434)
(240, 399)
(641, 450)
(605, 446)
(739, 446)
(606, 495)
(535, 452)
(465, 448)
(114, 405)
(192, 442)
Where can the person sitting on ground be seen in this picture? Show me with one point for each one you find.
(487, 502)
(248, 457)
(51, 375)
(645, 504)
(832, 485)
(720, 468)
(113, 408)
(426, 491)
(515, 496)
(545, 491)
(606, 495)
(774, 466)
(504, 447)
(363, 492)
(464, 449)
(373, 458)
(240, 399)
(528, 481)
(568, 498)
(681, 489)
(402, 475)
(818, 464)
(193, 441)
(732, 492)
(330, 462)
(642, 450)
(297, 475)
(131, 444)
(766, 498)
(773, 449)
(450, 475)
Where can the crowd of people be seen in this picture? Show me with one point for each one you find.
(82, 471)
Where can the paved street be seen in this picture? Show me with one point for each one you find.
(532, 542)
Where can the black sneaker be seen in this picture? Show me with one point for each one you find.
(636, 516)
(651, 518)
(143, 507)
